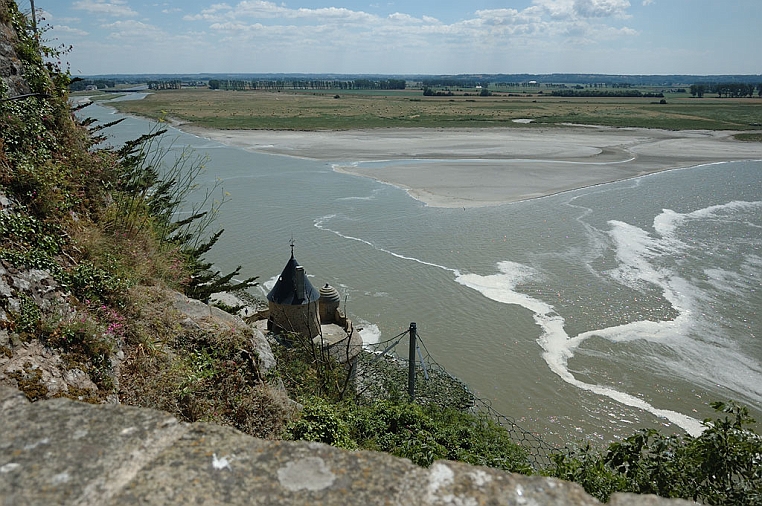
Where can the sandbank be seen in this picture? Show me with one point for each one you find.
(482, 167)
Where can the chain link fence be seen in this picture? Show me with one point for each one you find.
(383, 374)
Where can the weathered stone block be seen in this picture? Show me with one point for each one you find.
(65, 452)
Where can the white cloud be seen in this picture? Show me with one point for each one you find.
(234, 27)
(601, 8)
(260, 10)
(556, 9)
(554, 22)
(260, 35)
(404, 18)
(131, 29)
(648, 2)
(69, 31)
(210, 14)
(498, 16)
(572, 9)
(116, 8)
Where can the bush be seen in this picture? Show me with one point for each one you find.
(321, 422)
(424, 434)
(722, 466)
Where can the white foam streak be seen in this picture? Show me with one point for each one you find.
(319, 224)
(501, 287)
(636, 252)
(638, 256)
(558, 346)
(369, 332)
(270, 283)
(668, 221)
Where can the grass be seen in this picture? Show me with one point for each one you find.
(302, 110)
(749, 137)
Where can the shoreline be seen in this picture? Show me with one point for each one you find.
(485, 167)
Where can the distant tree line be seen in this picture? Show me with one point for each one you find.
(604, 93)
(307, 84)
(82, 84)
(551, 80)
(520, 85)
(245, 85)
(174, 84)
(726, 90)
(450, 82)
(428, 92)
(388, 84)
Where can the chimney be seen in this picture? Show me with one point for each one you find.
(299, 281)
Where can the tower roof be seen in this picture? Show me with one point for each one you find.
(287, 289)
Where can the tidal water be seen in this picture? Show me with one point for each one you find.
(583, 315)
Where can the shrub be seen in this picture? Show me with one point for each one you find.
(424, 434)
(322, 422)
(722, 466)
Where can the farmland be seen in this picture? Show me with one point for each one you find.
(348, 110)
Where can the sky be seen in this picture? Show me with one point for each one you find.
(702, 37)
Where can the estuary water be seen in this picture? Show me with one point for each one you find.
(583, 315)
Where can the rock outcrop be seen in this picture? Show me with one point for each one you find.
(11, 68)
(61, 451)
(42, 372)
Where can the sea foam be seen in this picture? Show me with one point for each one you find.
(645, 260)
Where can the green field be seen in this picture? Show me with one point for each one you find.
(343, 110)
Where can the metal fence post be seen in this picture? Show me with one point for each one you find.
(411, 364)
(34, 17)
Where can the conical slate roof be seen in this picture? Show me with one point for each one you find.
(285, 289)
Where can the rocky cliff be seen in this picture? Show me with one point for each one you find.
(11, 68)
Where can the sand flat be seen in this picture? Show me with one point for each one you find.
(481, 167)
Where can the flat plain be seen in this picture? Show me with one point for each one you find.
(342, 110)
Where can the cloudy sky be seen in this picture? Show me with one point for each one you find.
(407, 37)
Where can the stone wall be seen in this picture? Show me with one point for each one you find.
(300, 319)
(65, 452)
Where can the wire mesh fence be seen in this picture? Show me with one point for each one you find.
(25, 7)
(381, 373)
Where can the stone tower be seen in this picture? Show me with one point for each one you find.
(293, 302)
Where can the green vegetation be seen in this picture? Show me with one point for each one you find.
(381, 418)
(102, 222)
(422, 434)
(750, 137)
(208, 375)
(296, 84)
(319, 110)
(721, 466)
(441, 428)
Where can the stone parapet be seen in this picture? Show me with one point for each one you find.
(66, 452)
